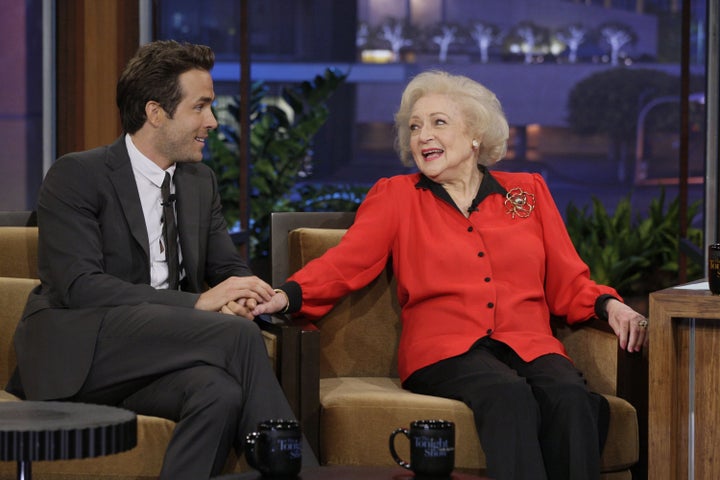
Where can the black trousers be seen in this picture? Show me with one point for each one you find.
(207, 371)
(535, 420)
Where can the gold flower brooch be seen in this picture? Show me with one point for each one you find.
(519, 203)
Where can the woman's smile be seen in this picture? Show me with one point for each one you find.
(432, 153)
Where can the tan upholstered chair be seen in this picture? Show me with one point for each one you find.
(353, 399)
(18, 275)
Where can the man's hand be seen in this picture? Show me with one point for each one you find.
(242, 308)
(235, 295)
(629, 326)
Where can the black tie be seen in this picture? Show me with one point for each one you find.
(170, 233)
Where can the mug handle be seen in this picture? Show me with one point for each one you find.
(393, 452)
(250, 449)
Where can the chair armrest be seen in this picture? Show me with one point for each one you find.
(297, 365)
(593, 346)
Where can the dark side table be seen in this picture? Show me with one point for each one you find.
(31, 431)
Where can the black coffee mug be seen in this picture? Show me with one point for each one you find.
(432, 447)
(714, 268)
(275, 450)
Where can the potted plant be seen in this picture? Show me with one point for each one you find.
(634, 255)
(281, 140)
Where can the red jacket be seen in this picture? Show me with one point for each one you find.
(499, 272)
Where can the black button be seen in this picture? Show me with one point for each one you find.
(470, 229)
(481, 254)
(489, 331)
(487, 279)
(491, 305)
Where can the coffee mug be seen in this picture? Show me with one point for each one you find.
(432, 447)
(275, 450)
(714, 268)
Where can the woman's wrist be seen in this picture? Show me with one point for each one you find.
(601, 305)
(294, 294)
(287, 299)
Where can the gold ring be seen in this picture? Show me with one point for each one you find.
(643, 323)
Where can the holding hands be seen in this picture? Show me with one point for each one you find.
(236, 296)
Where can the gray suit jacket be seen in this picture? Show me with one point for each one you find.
(93, 256)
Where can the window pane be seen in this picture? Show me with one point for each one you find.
(21, 105)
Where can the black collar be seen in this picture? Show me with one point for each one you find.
(488, 186)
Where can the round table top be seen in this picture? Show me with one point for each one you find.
(32, 431)
(351, 472)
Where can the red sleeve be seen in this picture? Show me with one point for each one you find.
(569, 290)
(357, 260)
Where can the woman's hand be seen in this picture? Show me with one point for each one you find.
(277, 303)
(630, 327)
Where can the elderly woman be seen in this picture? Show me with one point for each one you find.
(482, 259)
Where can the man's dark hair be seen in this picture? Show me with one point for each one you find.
(152, 74)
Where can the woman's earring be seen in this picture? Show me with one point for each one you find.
(475, 144)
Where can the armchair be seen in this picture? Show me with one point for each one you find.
(350, 393)
(18, 275)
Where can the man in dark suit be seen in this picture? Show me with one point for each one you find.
(123, 315)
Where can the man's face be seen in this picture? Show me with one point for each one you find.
(182, 137)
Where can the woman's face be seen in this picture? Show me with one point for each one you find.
(439, 142)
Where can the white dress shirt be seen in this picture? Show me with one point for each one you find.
(149, 177)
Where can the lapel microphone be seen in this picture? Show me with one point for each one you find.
(170, 200)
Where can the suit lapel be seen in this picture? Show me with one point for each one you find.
(123, 180)
(188, 199)
(187, 204)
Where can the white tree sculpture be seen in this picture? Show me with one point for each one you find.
(392, 32)
(617, 37)
(484, 35)
(572, 36)
(529, 38)
(446, 37)
(361, 37)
